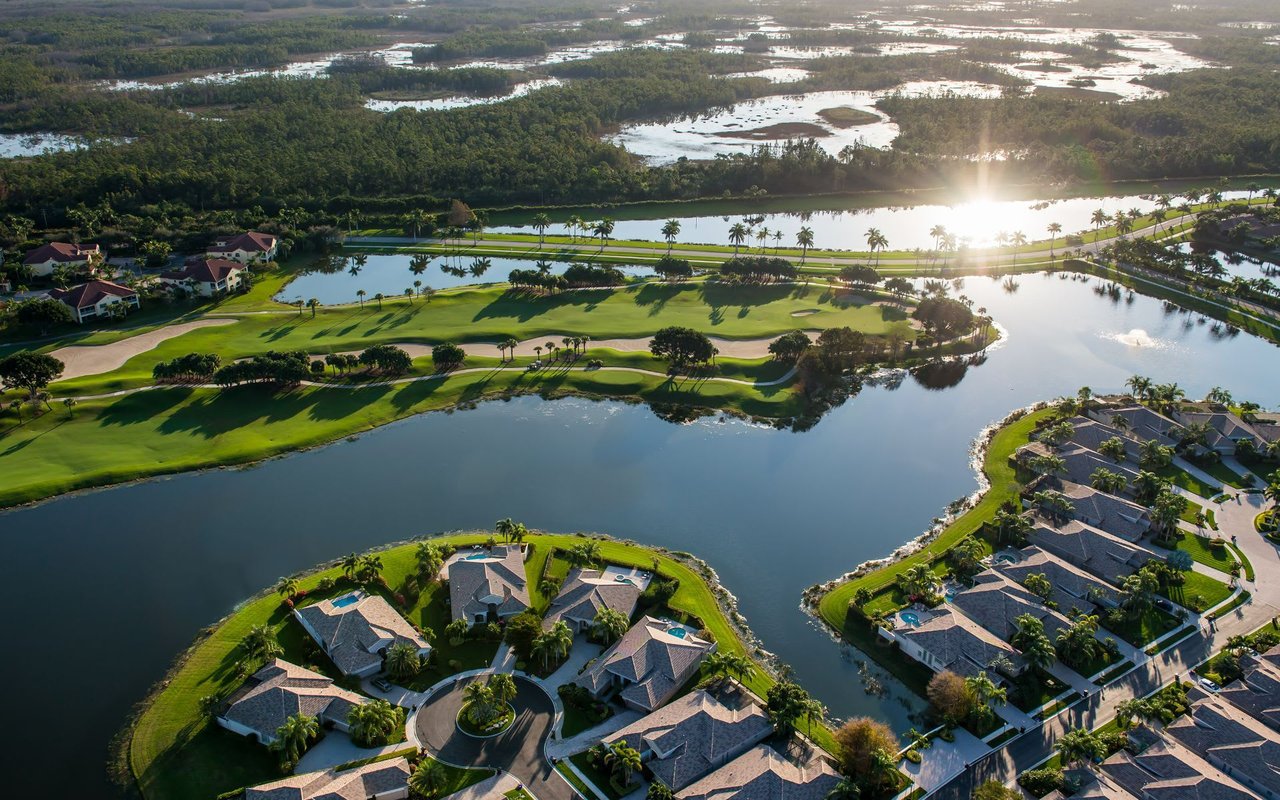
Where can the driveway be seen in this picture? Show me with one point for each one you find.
(518, 751)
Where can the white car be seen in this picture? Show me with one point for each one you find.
(1208, 685)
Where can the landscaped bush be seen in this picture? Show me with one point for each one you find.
(1040, 782)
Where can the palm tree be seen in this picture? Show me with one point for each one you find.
(510, 343)
(372, 723)
(1017, 239)
(561, 639)
(574, 224)
(737, 235)
(551, 348)
(537, 350)
(568, 342)
(919, 582)
(986, 692)
(360, 293)
(313, 304)
(293, 737)
(503, 688)
(609, 625)
(1099, 218)
(287, 587)
(349, 565)
(403, 660)
(542, 648)
(541, 222)
(477, 698)
(777, 240)
(938, 233)
(429, 779)
(670, 230)
(622, 761)
(1033, 642)
(603, 229)
(1140, 386)
(876, 241)
(805, 240)
(722, 665)
(1055, 228)
(69, 403)
(846, 789)
(1079, 746)
(260, 645)
(419, 262)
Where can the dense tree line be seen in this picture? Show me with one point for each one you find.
(285, 369)
(193, 367)
(587, 275)
(759, 269)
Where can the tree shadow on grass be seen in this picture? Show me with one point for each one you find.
(143, 406)
(524, 307)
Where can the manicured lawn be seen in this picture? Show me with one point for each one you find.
(601, 779)
(1200, 592)
(1154, 624)
(1185, 480)
(1031, 690)
(576, 720)
(1220, 559)
(1225, 474)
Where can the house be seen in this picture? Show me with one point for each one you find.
(488, 585)
(763, 772)
(1257, 693)
(586, 592)
(1089, 548)
(1090, 434)
(1140, 422)
(649, 664)
(1116, 515)
(356, 629)
(95, 299)
(1092, 786)
(247, 248)
(1164, 770)
(1079, 463)
(1224, 430)
(207, 277)
(44, 259)
(944, 639)
(1072, 587)
(685, 740)
(381, 780)
(280, 690)
(995, 603)
(1230, 740)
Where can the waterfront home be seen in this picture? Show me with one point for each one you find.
(1231, 740)
(1090, 434)
(801, 773)
(251, 247)
(278, 691)
(1164, 770)
(488, 585)
(1257, 692)
(1089, 548)
(1140, 422)
(648, 665)
(356, 629)
(44, 259)
(381, 780)
(207, 277)
(95, 299)
(1224, 430)
(587, 592)
(702, 731)
(1116, 515)
(944, 639)
(1079, 463)
(995, 603)
(1072, 589)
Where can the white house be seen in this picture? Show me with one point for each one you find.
(488, 585)
(46, 257)
(247, 248)
(357, 629)
(95, 298)
(207, 277)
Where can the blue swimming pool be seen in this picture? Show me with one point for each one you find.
(910, 618)
(679, 633)
(477, 557)
(343, 602)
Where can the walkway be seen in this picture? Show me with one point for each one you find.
(563, 748)
(336, 748)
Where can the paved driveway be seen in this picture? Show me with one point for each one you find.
(518, 751)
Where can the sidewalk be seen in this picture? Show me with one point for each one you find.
(563, 748)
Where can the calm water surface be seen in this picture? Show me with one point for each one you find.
(109, 585)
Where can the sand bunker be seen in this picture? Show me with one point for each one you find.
(96, 359)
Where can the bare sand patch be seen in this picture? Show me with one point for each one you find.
(808, 312)
(96, 359)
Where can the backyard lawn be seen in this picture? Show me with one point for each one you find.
(1220, 558)
(1199, 593)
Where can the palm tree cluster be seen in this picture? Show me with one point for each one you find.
(293, 738)
(552, 645)
(374, 722)
(487, 703)
(362, 569)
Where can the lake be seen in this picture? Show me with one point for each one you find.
(112, 584)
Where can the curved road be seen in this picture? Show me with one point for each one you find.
(518, 751)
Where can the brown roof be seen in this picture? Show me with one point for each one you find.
(251, 241)
(91, 293)
(204, 270)
(60, 252)
(359, 783)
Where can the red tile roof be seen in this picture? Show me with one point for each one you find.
(91, 293)
(60, 252)
(249, 242)
(204, 270)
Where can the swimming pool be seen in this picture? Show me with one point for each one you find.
(910, 618)
(478, 557)
(348, 600)
(679, 633)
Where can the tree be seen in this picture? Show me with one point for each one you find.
(1147, 486)
(584, 554)
(966, 556)
(478, 700)
(503, 688)
(430, 558)
(1137, 593)
(846, 789)
(670, 230)
(789, 346)
(541, 222)
(857, 743)
(1079, 746)
(30, 371)
(1180, 560)
(986, 693)
(456, 631)
(681, 346)
(287, 587)
(429, 779)
(1167, 511)
(951, 697)
(805, 240)
(1039, 585)
(860, 274)
(387, 358)
(919, 583)
(1033, 642)
(995, 790)
(609, 625)
(622, 761)
(1078, 642)
(786, 702)
(737, 235)
(876, 241)
(259, 645)
(447, 355)
(722, 665)
(1154, 456)
(43, 313)
(1104, 480)
(1054, 229)
(403, 661)
(293, 737)
(1114, 449)
(372, 722)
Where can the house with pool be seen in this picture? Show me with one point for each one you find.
(587, 592)
(381, 780)
(995, 602)
(1072, 589)
(278, 691)
(487, 585)
(356, 630)
(944, 639)
(648, 665)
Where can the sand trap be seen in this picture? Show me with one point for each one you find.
(805, 313)
(96, 359)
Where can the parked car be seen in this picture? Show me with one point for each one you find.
(1208, 685)
(1163, 605)
(382, 684)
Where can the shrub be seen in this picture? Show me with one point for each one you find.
(913, 756)
(1040, 782)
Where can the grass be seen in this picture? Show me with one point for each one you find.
(1198, 592)
(576, 721)
(1113, 673)
(1249, 574)
(1181, 478)
(1221, 558)
(1151, 626)
(581, 788)
(518, 794)
(1190, 630)
(602, 780)
(1235, 603)
(1030, 690)
(1225, 474)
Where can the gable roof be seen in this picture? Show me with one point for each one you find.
(280, 690)
(91, 293)
(359, 783)
(995, 603)
(60, 252)
(585, 593)
(1257, 692)
(1168, 771)
(652, 662)
(354, 633)
(958, 643)
(1230, 739)
(498, 579)
(1143, 423)
(1115, 515)
(762, 773)
(1224, 428)
(1071, 585)
(204, 270)
(1093, 550)
(696, 733)
(1091, 434)
(250, 242)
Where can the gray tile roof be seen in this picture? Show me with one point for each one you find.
(1231, 740)
(1089, 548)
(958, 643)
(585, 593)
(697, 733)
(995, 602)
(1167, 771)
(1117, 516)
(359, 783)
(1258, 691)
(763, 773)
(1224, 428)
(1144, 423)
(280, 690)
(474, 585)
(1071, 585)
(355, 634)
(1091, 434)
(1079, 463)
(651, 663)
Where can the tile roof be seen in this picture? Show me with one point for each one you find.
(652, 664)
(204, 270)
(1230, 740)
(958, 643)
(995, 602)
(697, 733)
(1258, 691)
(91, 293)
(1089, 548)
(585, 593)
(763, 773)
(359, 783)
(474, 585)
(1071, 585)
(1091, 434)
(60, 252)
(1142, 422)
(250, 242)
(280, 690)
(1168, 771)
(354, 634)
(1224, 428)
(1115, 515)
